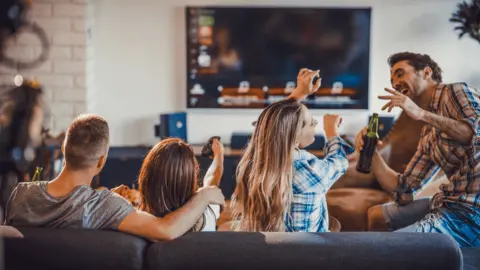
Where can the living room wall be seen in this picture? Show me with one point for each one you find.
(140, 62)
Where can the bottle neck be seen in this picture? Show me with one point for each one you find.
(373, 128)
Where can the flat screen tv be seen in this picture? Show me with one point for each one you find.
(249, 57)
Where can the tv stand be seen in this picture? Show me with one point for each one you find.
(229, 152)
(230, 163)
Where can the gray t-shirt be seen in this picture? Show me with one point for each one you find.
(82, 208)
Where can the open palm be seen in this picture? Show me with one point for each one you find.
(400, 100)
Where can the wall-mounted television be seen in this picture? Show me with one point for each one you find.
(249, 57)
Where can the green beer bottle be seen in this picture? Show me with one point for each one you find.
(369, 145)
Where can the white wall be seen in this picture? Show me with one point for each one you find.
(140, 62)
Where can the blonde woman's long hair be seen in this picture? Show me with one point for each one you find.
(262, 197)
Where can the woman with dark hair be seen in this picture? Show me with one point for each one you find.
(21, 122)
(169, 178)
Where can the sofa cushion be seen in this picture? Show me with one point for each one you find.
(350, 205)
(302, 251)
(471, 258)
(74, 249)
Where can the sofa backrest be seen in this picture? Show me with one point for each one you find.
(302, 251)
(48, 248)
(43, 248)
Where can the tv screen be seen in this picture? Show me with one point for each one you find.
(245, 57)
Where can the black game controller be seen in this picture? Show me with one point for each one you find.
(315, 79)
(207, 148)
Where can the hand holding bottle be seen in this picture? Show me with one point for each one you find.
(366, 143)
(359, 139)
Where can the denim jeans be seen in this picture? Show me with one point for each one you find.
(460, 221)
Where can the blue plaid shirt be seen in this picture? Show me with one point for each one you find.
(312, 178)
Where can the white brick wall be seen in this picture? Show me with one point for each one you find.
(88, 53)
(64, 75)
(79, 53)
(69, 67)
(55, 24)
(69, 10)
(69, 38)
(41, 9)
(61, 53)
(76, 95)
(79, 25)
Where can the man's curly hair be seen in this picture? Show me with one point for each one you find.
(417, 61)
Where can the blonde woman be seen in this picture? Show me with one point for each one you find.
(281, 187)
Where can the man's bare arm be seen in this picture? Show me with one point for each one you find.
(459, 131)
(175, 224)
(386, 177)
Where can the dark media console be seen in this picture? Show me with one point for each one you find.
(239, 140)
(124, 163)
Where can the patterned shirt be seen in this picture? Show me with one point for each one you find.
(312, 178)
(436, 150)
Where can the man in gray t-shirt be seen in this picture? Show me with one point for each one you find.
(83, 207)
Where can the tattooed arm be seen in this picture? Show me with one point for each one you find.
(463, 114)
(458, 130)
(460, 103)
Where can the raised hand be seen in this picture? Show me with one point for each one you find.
(331, 123)
(217, 148)
(305, 81)
(400, 100)
(305, 84)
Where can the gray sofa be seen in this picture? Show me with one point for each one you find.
(43, 248)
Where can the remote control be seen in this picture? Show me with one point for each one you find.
(207, 148)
